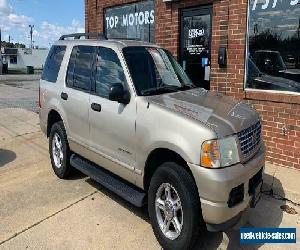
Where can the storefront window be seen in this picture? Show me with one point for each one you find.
(273, 61)
(131, 21)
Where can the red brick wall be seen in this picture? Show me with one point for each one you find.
(280, 112)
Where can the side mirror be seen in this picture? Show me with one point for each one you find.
(118, 94)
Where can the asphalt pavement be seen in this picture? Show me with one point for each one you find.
(19, 91)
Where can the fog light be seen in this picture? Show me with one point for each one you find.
(236, 195)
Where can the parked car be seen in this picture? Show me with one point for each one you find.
(271, 63)
(126, 114)
(258, 80)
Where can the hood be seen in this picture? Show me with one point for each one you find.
(280, 82)
(291, 71)
(223, 114)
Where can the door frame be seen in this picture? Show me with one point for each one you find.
(188, 12)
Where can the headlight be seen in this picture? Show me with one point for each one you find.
(219, 153)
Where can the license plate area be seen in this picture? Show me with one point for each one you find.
(256, 196)
(255, 186)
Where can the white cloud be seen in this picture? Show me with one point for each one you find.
(44, 34)
(9, 19)
(49, 32)
(5, 8)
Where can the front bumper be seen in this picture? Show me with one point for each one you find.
(215, 185)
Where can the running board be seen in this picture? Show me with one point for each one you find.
(112, 182)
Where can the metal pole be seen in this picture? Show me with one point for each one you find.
(31, 32)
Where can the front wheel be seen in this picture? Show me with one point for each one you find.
(174, 207)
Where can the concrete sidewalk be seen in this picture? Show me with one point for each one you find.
(20, 77)
(285, 181)
(39, 211)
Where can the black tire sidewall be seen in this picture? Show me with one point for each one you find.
(184, 184)
(58, 128)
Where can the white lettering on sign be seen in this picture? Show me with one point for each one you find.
(194, 33)
(137, 18)
(267, 2)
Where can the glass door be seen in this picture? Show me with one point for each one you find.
(195, 52)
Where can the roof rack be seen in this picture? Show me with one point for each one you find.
(77, 36)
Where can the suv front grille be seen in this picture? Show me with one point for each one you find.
(250, 138)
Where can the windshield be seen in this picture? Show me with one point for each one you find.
(155, 71)
(253, 69)
(274, 59)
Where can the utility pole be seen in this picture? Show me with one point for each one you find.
(31, 32)
(0, 42)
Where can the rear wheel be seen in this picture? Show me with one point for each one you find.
(59, 150)
(174, 207)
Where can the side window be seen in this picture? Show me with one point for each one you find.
(53, 62)
(71, 67)
(79, 73)
(108, 71)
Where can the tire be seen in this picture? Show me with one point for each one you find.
(171, 176)
(61, 161)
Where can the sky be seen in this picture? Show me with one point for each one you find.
(51, 19)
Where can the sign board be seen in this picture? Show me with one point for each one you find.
(131, 21)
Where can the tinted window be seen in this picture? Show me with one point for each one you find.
(108, 71)
(53, 63)
(70, 72)
(274, 45)
(154, 70)
(79, 73)
(141, 66)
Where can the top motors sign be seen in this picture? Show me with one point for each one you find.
(132, 21)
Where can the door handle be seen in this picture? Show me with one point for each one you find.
(64, 96)
(96, 107)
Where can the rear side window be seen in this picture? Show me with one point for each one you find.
(79, 75)
(53, 63)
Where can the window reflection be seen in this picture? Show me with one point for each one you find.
(131, 21)
(274, 45)
(108, 71)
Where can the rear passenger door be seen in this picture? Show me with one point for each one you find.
(76, 95)
(112, 127)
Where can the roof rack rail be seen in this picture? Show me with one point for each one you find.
(77, 36)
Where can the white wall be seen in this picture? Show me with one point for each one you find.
(28, 57)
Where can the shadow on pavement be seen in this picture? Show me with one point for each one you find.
(140, 212)
(266, 214)
(6, 156)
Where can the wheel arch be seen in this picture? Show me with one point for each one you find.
(53, 117)
(157, 157)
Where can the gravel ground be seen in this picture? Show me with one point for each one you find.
(19, 91)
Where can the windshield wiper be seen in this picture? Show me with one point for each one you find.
(187, 87)
(160, 90)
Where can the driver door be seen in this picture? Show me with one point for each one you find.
(112, 125)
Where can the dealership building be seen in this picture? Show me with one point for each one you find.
(247, 49)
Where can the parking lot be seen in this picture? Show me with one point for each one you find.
(37, 210)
